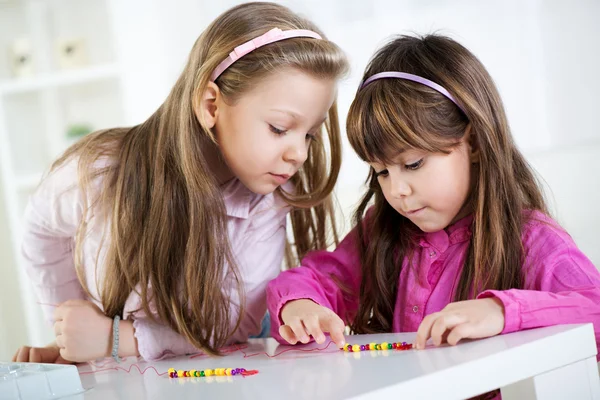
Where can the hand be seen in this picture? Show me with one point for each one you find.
(305, 317)
(83, 332)
(47, 355)
(471, 319)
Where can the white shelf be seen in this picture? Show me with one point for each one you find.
(62, 78)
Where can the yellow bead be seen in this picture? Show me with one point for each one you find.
(193, 372)
(221, 371)
(372, 346)
(356, 348)
(384, 346)
(346, 346)
(228, 371)
(181, 373)
(171, 370)
(209, 372)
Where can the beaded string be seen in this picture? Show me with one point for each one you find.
(210, 372)
(377, 346)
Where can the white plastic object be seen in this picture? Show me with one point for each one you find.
(33, 381)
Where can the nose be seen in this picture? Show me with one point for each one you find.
(297, 151)
(399, 186)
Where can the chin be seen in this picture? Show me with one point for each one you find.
(429, 228)
(262, 189)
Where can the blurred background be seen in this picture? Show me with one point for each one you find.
(68, 67)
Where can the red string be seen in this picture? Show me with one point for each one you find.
(226, 350)
(284, 351)
(128, 370)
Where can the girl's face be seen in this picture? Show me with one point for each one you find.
(430, 189)
(265, 136)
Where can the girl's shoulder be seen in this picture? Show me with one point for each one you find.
(540, 231)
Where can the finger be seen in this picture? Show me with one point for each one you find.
(299, 331)
(58, 328)
(288, 334)
(43, 354)
(14, 358)
(459, 332)
(424, 331)
(313, 328)
(58, 312)
(335, 326)
(60, 341)
(23, 355)
(443, 324)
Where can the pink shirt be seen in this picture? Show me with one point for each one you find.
(256, 228)
(562, 287)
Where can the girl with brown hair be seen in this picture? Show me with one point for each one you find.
(452, 239)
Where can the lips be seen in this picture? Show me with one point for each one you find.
(414, 211)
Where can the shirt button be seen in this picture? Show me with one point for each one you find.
(432, 253)
(415, 309)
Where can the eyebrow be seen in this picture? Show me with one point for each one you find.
(297, 116)
(288, 112)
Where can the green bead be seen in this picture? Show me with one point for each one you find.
(201, 373)
(389, 345)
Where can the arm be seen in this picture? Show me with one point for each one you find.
(317, 280)
(562, 284)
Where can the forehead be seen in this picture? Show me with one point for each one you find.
(292, 90)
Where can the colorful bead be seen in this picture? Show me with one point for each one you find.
(377, 346)
(209, 372)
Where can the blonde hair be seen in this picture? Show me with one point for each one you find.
(167, 218)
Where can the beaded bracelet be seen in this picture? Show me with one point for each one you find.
(377, 346)
(210, 372)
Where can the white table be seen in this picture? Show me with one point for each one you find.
(550, 363)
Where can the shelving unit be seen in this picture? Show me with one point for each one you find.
(38, 108)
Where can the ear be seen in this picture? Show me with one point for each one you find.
(207, 108)
(471, 139)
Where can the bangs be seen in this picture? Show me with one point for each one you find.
(391, 116)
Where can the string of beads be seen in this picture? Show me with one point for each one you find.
(210, 372)
(377, 346)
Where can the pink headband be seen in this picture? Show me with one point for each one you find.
(414, 78)
(274, 35)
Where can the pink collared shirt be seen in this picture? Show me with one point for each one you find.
(562, 286)
(256, 227)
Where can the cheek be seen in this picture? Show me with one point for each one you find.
(450, 183)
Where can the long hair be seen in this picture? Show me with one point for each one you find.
(390, 115)
(165, 210)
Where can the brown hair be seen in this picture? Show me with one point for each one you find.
(168, 228)
(391, 115)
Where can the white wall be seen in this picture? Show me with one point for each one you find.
(543, 55)
(12, 327)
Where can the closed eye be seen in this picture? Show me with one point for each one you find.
(414, 166)
(276, 130)
(383, 173)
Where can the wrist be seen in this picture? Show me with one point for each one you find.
(127, 341)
